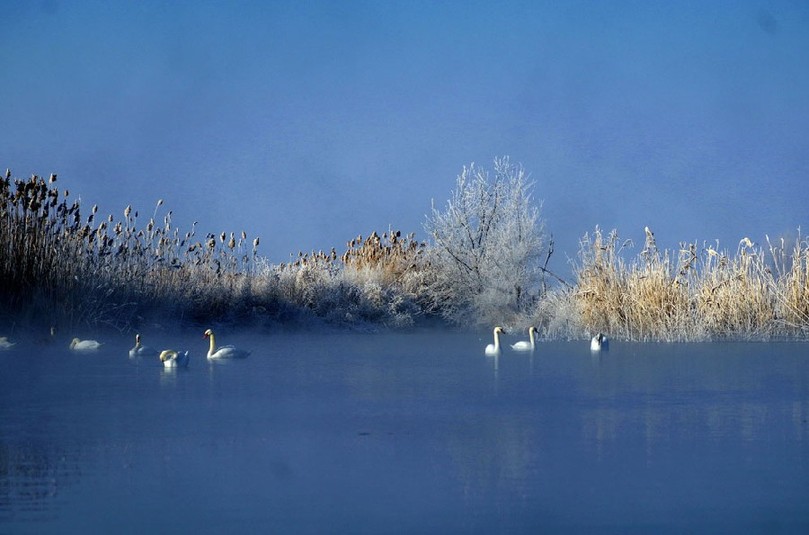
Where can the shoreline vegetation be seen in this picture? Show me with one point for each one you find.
(486, 263)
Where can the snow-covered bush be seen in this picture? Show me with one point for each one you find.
(486, 247)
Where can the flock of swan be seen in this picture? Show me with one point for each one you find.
(170, 358)
(599, 342)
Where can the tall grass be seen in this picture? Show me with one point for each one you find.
(62, 266)
(377, 280)
(59, 267)
(699, 293)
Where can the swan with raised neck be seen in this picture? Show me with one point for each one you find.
(524, 345)
(141, 350)
(494, 349)
(224, 352)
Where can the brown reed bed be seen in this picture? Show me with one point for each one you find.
(63, 266)
(60, 267)
(375, 281)
(698, 293)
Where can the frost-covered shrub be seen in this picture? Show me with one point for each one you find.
(557, 315)
(370, 284)
(483, 262)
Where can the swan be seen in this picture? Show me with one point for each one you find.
(522, 345)
(5, 344)
(141, 350)
(224, 352)
(84, 345)
(174, 359)
(599, 342)
(494, 349)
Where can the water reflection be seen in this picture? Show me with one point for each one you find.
(168, 376)
(494, 455)
(31, 478)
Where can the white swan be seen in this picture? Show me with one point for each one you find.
(5, 344)
(522, 345)
(599, 342)
(494, 349)
(141, 350)
(84, 345)
(174, 359)
(224, 352)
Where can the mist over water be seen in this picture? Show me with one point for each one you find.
(308, 124)
(331, 431)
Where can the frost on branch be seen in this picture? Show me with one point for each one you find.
(487, 246)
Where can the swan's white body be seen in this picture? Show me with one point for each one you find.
(599, 342)
(530, 345)
(224, 352)
(494, 349)
(84, 345)
(5, 344)
(174, 359)
(141, 350)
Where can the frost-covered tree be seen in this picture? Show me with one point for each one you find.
(487, 245)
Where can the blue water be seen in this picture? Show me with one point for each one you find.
(405, 433)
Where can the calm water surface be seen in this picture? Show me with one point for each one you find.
(405, 433)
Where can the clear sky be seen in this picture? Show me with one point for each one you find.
(307, 123)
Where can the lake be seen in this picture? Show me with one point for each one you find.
(328, 432)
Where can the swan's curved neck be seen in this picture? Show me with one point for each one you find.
(212, 349)
(532, 333)
(496, 339)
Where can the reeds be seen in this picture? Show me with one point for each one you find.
(390, 257)
(790, 272)
(60, 267)
(702, 295)
(375, 280)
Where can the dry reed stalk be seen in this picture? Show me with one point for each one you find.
(704, 296)
(387, 259)
(601, 283)
(91, 272)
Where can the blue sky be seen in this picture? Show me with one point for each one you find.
(307, 123)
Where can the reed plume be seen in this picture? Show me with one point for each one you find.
(705, 294)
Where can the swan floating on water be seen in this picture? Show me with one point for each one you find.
(5, 344)
(84, 345)
(141, 350)
(523, 345)
(494, 349)
(174, 359)
(599, 342)
(224, 352)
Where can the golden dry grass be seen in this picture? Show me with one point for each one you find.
(59, 266)
(704, 294)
